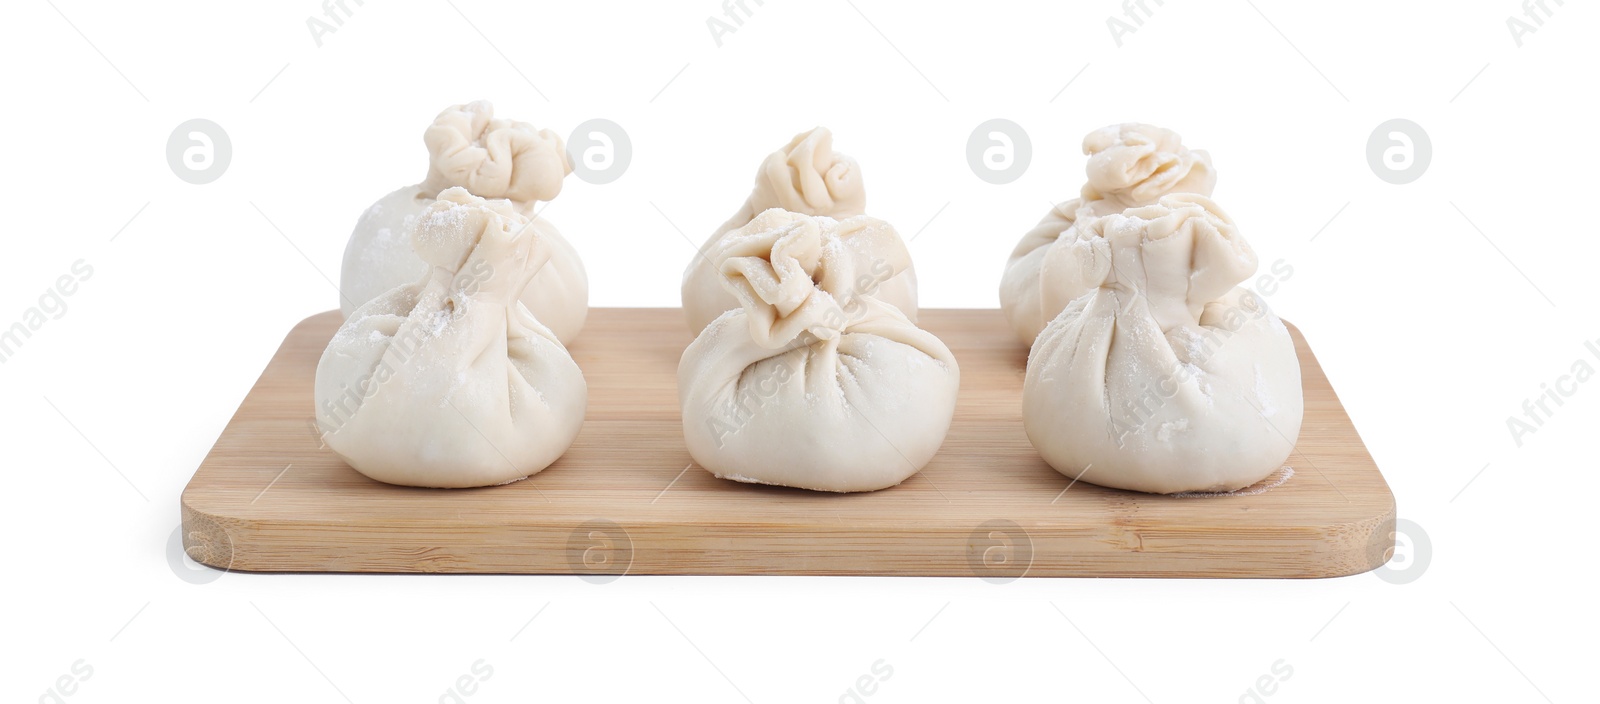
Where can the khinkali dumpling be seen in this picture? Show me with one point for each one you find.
(806, 177)
(1163, 376)
(449, 381)
(812, 382)
(1129, 165)
(493, 158)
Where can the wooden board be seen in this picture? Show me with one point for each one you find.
(627, 498)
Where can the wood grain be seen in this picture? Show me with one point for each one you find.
(627, 498)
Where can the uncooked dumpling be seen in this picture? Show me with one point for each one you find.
(806, 177)
(449, 381)
(1164, 376)
(1130, 165)
(812, 383)
(492, 158)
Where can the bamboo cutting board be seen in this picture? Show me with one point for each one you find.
(626, 498)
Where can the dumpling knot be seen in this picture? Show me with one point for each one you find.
(458, 228)
(808, 177)
(494, 158)
(1179, 254)
(1134, 164)
(795, 273)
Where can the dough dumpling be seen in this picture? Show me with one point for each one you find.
(491, 158)
(813, 382)
(805, 177)
(1130, 165)
(1164, 376)
(449, 381)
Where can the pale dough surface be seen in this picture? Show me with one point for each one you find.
(808, 383)
(1165, 376)
(449, 381)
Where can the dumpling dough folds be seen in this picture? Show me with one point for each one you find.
(812, 383)
(805, 177)
(492, 158)
(449, 381)
(1130, 165)
(1164, 377)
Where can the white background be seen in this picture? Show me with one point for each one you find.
(1424, 323)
